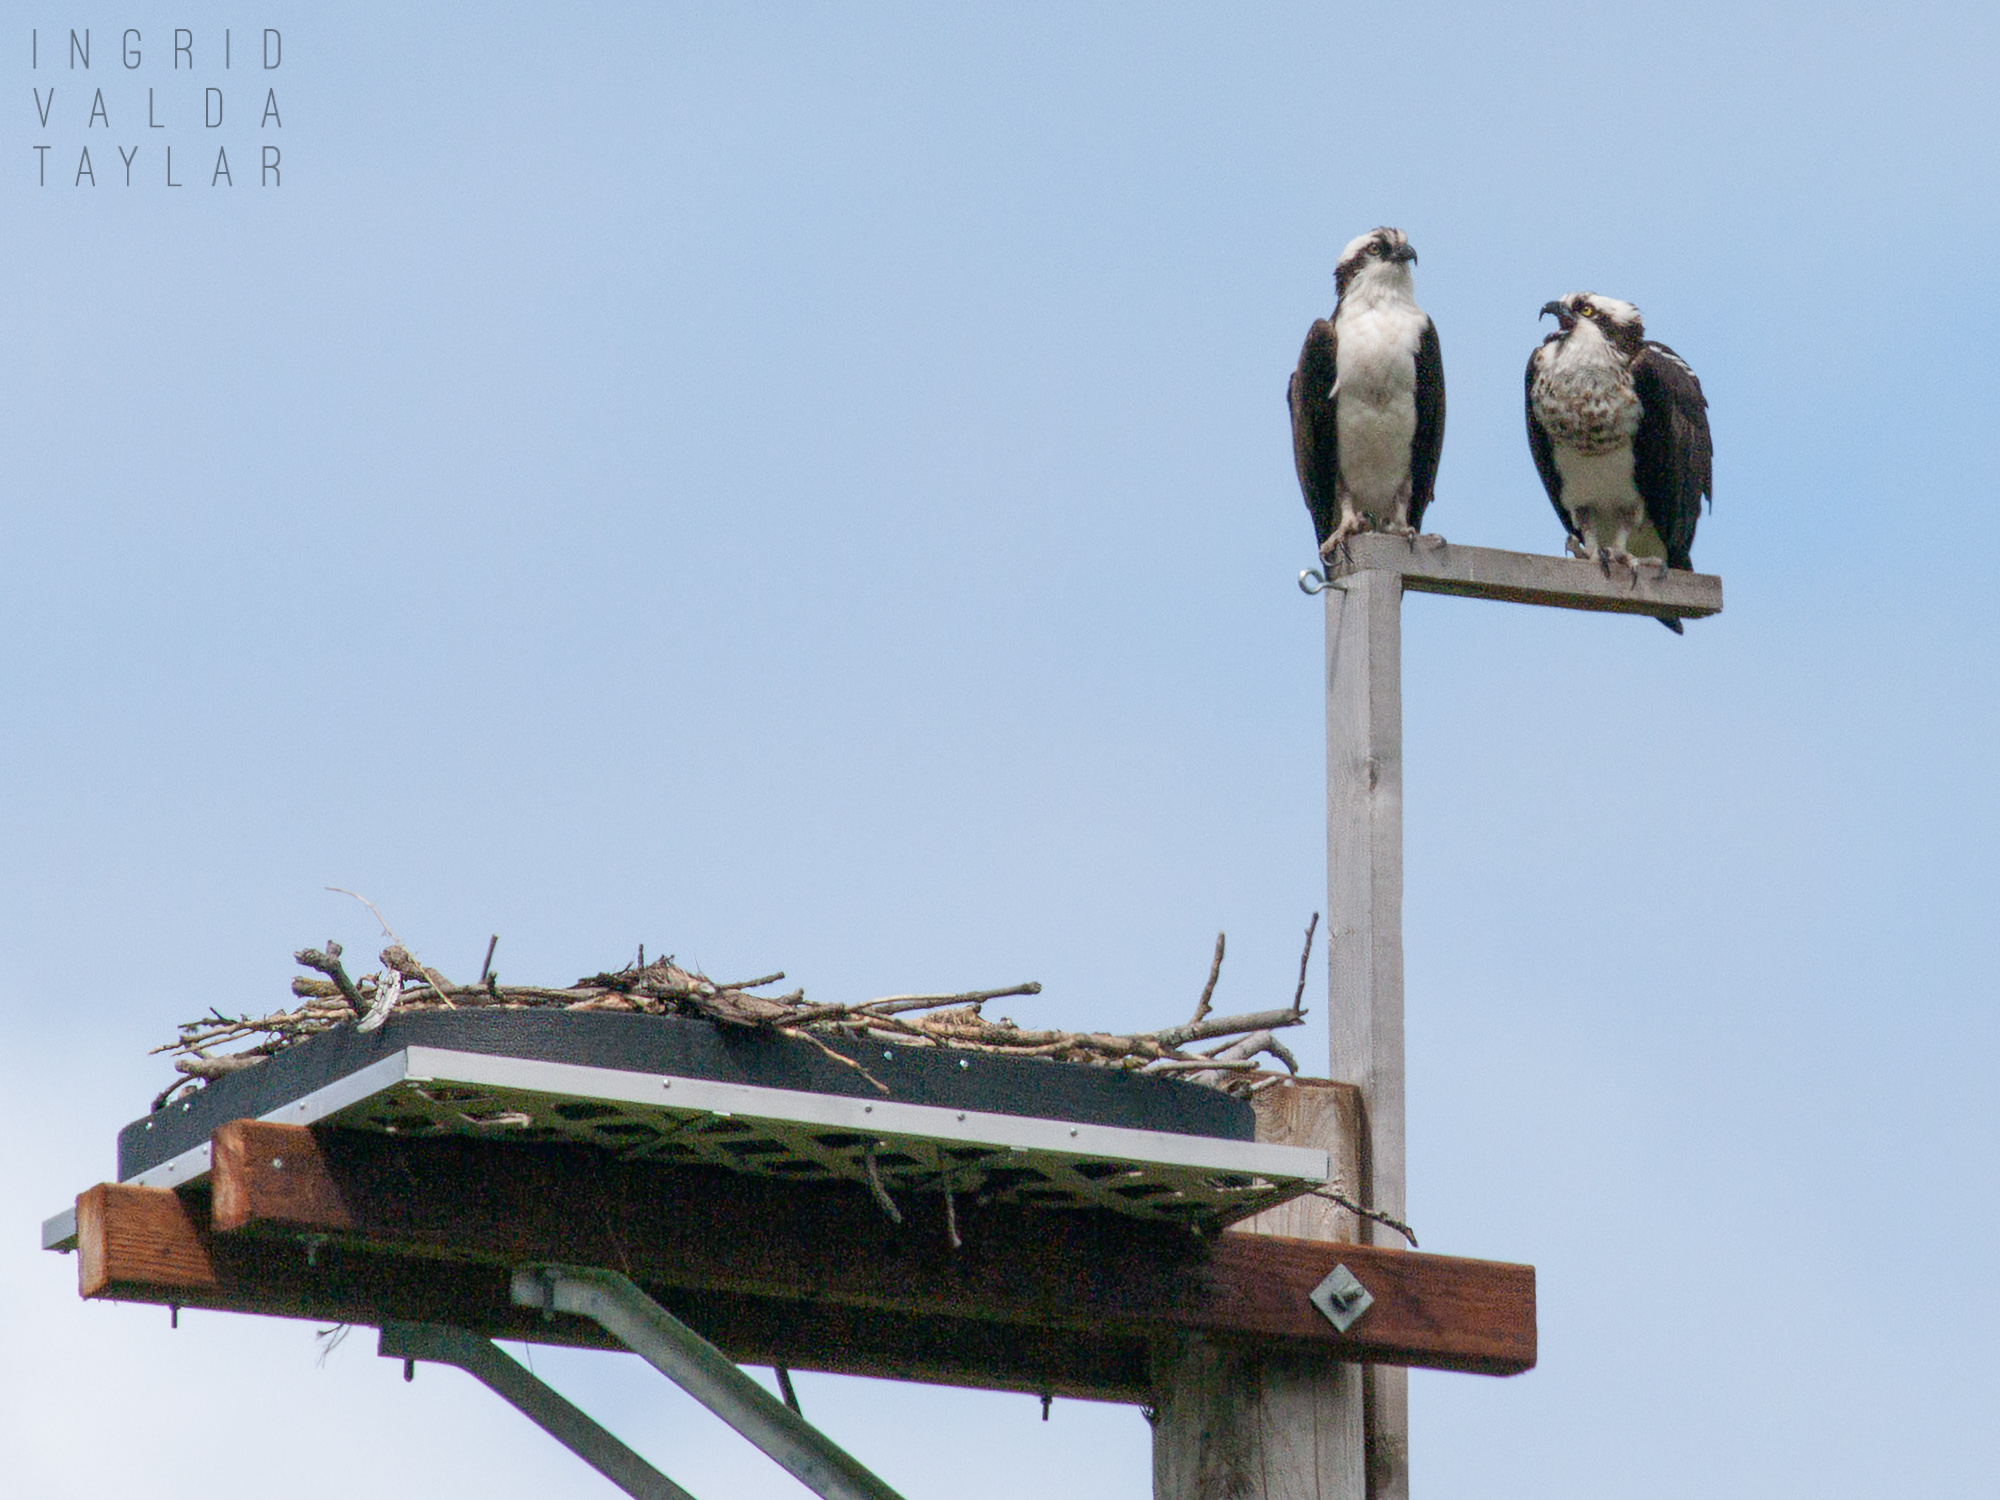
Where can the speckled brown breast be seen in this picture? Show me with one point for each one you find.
(1590, 407)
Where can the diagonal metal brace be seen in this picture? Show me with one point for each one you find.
(483, 1361)
(704, 1372)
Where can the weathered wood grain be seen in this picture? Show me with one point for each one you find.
(129, 1237)
(1238, 1421)
(1364, 818)
(1312, 1112)
(829, 1244)
(1364, 908)
(155, 1245)
(1529, 578)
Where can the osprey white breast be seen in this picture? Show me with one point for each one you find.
(1380, 328)
(1367, 399)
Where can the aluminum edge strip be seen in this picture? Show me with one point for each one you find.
(192, 1164)
(59, 1232)
(838, 1111)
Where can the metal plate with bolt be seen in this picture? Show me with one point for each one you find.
(1342, 1298)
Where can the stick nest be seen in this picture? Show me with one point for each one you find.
(1219, 1051)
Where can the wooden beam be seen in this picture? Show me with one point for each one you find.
(131, 1239)
(1258, 1422)
(158, 1246)
(716, 1231)
(1364, 931)
(1528, 578)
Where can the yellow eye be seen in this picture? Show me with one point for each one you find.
(1587, 310)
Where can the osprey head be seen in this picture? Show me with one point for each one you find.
(1619, 322)
(1380, 253)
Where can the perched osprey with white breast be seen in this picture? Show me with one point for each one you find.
(1367, 399)
(1619, 430)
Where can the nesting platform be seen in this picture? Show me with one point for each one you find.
(403, 1176)
(685, 1092)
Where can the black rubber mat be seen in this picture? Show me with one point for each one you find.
(1032, 1087)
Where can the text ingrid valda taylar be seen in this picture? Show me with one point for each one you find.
(163, 112)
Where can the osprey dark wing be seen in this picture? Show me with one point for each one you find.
(1315, 431)
(1544, 450)
(1428, 441)
(1673, 457)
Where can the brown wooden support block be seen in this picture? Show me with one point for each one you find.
(366, 1229)
(131, 1238)
(156, 1246)
(699, 1230)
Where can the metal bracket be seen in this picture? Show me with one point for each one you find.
(1341, 1298)
(483, 1361)
(695, 1365)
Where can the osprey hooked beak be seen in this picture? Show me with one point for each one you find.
(1563, 316)
(1404, 252)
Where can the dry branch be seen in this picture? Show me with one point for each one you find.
(1208, 990)
(664, 987)
(1305, 957)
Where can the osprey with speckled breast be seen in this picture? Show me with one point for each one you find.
(1367, 399)
(1619, 430)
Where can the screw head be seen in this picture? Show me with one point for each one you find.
(1341, 1298)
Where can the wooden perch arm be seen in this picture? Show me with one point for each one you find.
(405, 1202)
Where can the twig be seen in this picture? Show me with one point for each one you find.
(328, 963)
(1208, 990)
(839, 1057)
(662, 986)
(387, 930)
(1180, 1036)
(405, 963)
(330, 1339)
(891, 1004)
(1278, 1050)
(1299, 995)
(218, 1067)
(1200, 1064)
(1334, 1196)
(753, 984)
(875, 1186)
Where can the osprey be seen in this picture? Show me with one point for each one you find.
(1367, 399)
(1619, 430)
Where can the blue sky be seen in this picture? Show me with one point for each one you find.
(809, 488)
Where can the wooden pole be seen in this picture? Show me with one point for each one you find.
(1239, 1421)
(1235, 1423)
(1364, 872)
(1364, 849)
